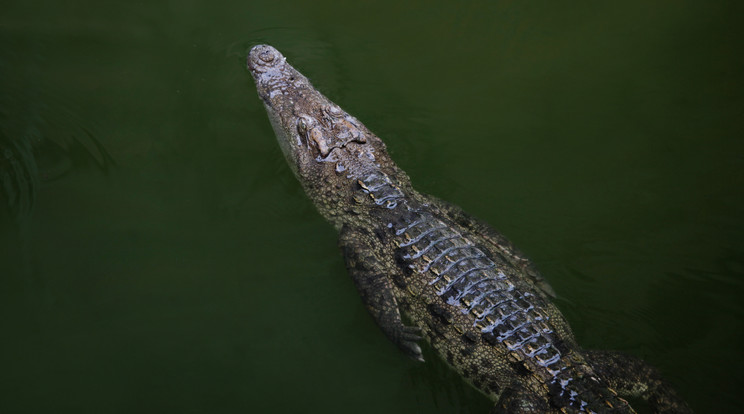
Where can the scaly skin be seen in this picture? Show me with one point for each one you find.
(462, 286)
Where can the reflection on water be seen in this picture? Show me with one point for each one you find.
(18, 176)
(41, 139)
(33, 157)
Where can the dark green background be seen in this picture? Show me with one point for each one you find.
(171, 263)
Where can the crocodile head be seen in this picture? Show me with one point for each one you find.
(315, 135)
(329, 150)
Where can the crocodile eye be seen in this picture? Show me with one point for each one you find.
(302, 127)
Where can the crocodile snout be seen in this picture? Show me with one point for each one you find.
(263, 57)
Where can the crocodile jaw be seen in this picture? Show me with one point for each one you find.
(279, 85)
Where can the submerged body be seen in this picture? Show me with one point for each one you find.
(462, 286)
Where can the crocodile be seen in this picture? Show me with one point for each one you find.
(456, 282)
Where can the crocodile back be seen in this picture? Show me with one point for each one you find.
(476, 307)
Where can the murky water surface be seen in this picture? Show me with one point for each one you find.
(157, 255)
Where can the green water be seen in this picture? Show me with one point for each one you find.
(157, 255)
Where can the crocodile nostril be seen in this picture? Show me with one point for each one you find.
(266, 56)
(262, 57)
